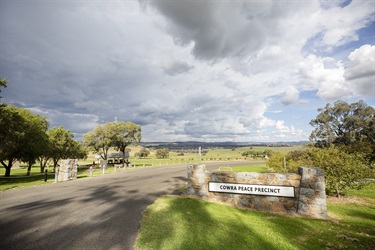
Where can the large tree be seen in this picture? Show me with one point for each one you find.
(22, 136)
(63, 146)
(36, 139)
(346, 124)
(100, 139)
(125, 134)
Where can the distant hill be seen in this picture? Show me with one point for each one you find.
(178, 145)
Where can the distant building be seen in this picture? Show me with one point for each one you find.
(113, 157)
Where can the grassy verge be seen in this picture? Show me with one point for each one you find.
(197, 224)
(251, 168)
(19, 178)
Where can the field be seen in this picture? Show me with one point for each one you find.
(215, 154)
(19, 179)
(197, 224)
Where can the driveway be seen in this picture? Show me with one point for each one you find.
(101, 212)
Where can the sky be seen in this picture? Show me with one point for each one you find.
(241, 70)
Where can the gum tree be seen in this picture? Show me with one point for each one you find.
(346, 124)
(100, 139)
(125, 134)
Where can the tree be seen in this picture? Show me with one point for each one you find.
(63, 146)
(22, 136)
(162, 153)
(113, 134)
(341, 170)
(346, 124)
(3, 83)
(100, 139)
(11, 136)
(35, 141)
(125, 134)
(144, 152)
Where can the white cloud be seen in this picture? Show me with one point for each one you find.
(328, 80)
(182, 69)
(290, 96)
(360, 70)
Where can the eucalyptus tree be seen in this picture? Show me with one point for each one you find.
(100, 139)
(61, 145)
(113, 134)
(125, 134)
(346, 124)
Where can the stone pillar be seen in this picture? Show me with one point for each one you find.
(68, 170)
(197, 180)
(312, 193)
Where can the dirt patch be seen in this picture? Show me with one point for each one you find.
(348, 200)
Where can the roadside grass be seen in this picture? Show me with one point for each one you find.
(262, 168)
(174, 222)
(19, 178)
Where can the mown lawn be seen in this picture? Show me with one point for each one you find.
(174, 222)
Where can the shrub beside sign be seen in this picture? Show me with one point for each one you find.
(234, 188)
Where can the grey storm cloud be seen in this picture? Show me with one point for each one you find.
(223, 28)
(177, 68)
(181, 69)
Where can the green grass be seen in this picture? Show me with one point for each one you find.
(20, 179)
(197, 224)
(251, 168)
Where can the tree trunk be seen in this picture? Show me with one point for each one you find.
(55, 161)
(7, 167)
(338, 193)
(42, 165)
(29, 168)
(123, 158)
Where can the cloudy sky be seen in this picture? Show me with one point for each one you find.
(242, 70)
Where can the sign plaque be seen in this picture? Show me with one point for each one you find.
(236, 188)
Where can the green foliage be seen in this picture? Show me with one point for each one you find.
(100, 140)
(341, 170)
(23, 136)
(112, 134)
(162, 153)
(144, 152)
(255, 154)
(3, 83)
(293, 160)
(346, 124)
(62, 146)
(125, 134)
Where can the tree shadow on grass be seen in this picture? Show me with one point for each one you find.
(187, 223)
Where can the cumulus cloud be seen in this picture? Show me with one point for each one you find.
(208, 70)
(290, 95)
(360, 70)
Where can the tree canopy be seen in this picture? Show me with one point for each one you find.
(113, 134)
(3, 83)
(63, 146)
(162, 153)
(346, 124)
(22, 136)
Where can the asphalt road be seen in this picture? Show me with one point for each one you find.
(101, 212)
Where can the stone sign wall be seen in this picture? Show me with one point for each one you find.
(68, 170)
(302, 193)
